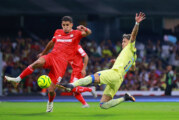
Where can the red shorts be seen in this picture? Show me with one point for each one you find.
(75, 75)
(57, 67)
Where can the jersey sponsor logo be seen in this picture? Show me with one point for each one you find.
(59, 35)
(128, 66)
(64, 40)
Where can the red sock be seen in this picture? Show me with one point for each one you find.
(80, 89)
(26, 72)
(80, 98)
(51, 98)
(44, 90)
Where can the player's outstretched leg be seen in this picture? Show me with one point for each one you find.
(114, 102)
(29, 70)
(81, 82)
(26, 72)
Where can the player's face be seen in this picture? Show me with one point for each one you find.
(124, 43)
(169, 68)
(67, 26)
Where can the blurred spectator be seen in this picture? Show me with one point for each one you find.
(169, 80)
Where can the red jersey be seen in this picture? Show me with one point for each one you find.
(66, 44)
(77, 63)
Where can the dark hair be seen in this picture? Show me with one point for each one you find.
(127, 36)
(67, 18)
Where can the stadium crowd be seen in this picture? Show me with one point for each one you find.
(153, 57)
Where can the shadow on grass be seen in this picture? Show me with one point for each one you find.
(104, 115)
(63, 115)
(25, 114)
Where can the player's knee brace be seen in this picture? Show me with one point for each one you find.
(93, 78)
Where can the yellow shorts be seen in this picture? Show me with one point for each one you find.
(112, 79)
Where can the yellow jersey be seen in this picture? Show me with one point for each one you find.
(126, 59)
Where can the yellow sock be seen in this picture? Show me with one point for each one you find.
(111, 103)
(83, 81)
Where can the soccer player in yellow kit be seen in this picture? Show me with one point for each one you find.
(114, 77)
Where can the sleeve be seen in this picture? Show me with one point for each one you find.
(81, 51)
(54, 39)
(132, 46)
(56, 33)
(79, 34)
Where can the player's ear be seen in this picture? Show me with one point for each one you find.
(71, 24)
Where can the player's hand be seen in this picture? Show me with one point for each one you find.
(39, 55)
(139, 17)
(83, 72)
(81, 28)
(112, 60)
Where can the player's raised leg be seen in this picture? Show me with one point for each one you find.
(81, 89)
(83, 81)
(29, 70)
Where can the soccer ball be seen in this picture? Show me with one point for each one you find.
(44, 81)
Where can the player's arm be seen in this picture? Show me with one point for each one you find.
(85, 61)
(138, 18)
(47, 48)
(84, 30)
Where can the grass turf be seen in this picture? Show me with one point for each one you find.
(73, 111)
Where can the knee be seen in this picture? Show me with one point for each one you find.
(76, 94)
(38, 63)
(51, 90)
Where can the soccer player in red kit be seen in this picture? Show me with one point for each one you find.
(79, 71)
(64, 43)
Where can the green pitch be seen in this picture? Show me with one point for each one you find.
(73, 111)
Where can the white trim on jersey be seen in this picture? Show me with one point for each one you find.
(82, 52)
(64, 40)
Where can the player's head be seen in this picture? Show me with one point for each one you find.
(169, 68)
(67, 24)
(125, 40)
